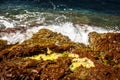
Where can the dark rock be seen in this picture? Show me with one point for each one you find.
(3, 44)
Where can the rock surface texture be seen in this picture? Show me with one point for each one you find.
(100, 60)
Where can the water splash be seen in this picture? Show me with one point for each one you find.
(34, 21)
(76, 32)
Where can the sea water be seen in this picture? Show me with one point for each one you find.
(19, 20)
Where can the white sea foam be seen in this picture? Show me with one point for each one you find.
(76, 33)
(6, 24)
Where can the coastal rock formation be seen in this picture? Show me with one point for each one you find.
(106, 47)
(39, 43)
(105, 41)
(47, 37)
(52, 56)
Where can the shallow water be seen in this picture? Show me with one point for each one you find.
(19, 20)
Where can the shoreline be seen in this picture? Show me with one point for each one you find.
(103, 51)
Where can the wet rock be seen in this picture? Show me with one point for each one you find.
(56, 70)
(47, 37)
(99, 72)
(103, 51)
(106, 47)
(3, 44)
(105, 42)
(31, 69)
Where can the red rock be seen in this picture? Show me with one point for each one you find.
(106, 46)
(105, 42)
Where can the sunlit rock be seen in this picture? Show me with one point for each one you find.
(84, 62)
(50, 55)
(105, 41)
(106, 47)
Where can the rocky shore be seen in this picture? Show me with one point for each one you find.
(52, 56)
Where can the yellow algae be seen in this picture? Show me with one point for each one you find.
(50, 55)
(73, 55)
(49, 51)
(46, 57)
(85, 62)
(53, 56)
(67, 54)
(36, 57)
(76, 61)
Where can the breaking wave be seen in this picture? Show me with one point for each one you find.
(20, 27)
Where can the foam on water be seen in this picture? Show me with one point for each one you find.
(76, 32)
(6, 23)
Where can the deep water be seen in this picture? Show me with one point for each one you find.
(103, 6)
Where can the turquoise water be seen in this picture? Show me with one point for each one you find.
(19, 20)
(77, 16)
